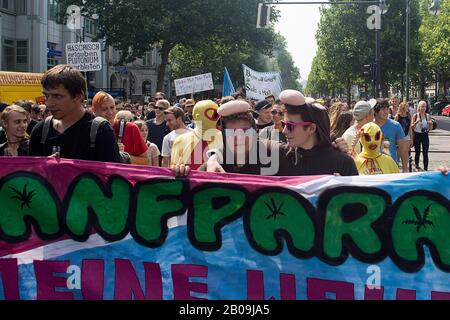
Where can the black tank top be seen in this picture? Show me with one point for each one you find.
(405, 122)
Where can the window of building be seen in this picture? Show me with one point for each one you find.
(90, 26)
(5, 4)
(8, 58)
(148, 58)
(147, 88)
(54, 10)
(52, 61)
(21, 7)
(22, 55)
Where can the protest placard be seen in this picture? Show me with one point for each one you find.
(85, 56)
(259, 85)
(191, 85)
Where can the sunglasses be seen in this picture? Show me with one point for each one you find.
(238, 132)
(159, 108)
(275, 112)
(157, 99)
(290, 126)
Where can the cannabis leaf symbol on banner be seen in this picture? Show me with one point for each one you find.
(421, 221)
(274, 209)
(25, 197)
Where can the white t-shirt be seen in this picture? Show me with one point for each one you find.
(152, 152)
(350, 136)
(423, 123)
(170, 139)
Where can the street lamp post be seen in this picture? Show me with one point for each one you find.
(378, 63)
(374, 23)
(408, 58)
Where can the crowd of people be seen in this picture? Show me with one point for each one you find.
(290, 136)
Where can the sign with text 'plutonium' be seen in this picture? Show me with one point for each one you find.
(85, 56)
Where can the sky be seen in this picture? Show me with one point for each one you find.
(299, 24)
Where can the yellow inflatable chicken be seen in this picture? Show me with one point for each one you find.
(190, 148)
(371, 161)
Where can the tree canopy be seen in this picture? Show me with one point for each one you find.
(134, 27)
(346, 44)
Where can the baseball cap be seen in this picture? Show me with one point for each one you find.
(263, 104)
(189, 103)
(361, 110)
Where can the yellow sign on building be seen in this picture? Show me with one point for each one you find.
(16, 86)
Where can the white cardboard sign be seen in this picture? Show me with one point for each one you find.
(85, 56)
(259, 85)
(200, 83)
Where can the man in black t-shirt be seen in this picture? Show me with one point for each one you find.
(157, 128)
(69, 132)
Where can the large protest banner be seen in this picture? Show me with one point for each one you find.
(191, 85)
(83, 230)
(259, 85)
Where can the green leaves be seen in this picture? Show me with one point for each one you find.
(434, 38)
(345, 45)
(197, 26)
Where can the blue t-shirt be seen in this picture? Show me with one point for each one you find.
(393, 132)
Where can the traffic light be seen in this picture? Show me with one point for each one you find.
(263, 16)
(369, 70)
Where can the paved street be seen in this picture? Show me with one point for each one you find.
(443, 122)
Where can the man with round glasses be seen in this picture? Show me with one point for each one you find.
(242, 147)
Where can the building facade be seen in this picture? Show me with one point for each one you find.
(33, 39)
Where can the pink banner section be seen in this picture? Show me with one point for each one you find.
(61, 173)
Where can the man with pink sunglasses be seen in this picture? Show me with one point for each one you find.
(309, 150)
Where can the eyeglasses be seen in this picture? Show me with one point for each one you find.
(238, 132)
(290, 126)
(275, 112)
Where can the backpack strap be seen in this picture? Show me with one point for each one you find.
(46, 129)
(96, 123)
(122, 125)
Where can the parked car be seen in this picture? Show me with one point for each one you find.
(446, 111)
(438, 106)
